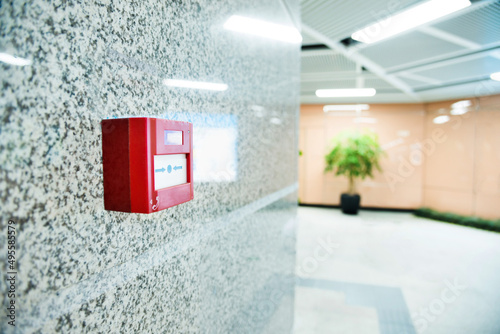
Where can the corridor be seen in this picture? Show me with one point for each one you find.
(391, 272)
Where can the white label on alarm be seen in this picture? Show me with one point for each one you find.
(170, 170)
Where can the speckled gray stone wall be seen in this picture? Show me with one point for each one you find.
(222, 263)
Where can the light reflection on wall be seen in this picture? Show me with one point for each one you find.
(215, 146)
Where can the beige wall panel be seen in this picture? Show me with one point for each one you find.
(400, 128)
(446, 105)
(332, 191)
(486, 102)
(400, 135)
(450, 167)
(460, 202)
(449, 152)
(401, 197)
(311, 115)
(487, 206)
(302, 163)
(487, 157)
(314, 165)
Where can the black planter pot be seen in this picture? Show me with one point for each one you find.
(350, 203)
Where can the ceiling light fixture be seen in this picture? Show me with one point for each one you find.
(346, 92)
(460, 107)
(261, 28)
(13, 60)
(195, 84)
(345, 107)
(458, 111)
(441, 119)
(495, 76)
(409, 19)
(461, 104)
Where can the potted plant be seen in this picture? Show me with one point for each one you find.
(354, 155)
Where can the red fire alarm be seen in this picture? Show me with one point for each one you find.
(147, 164)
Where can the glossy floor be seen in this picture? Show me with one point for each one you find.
(386, 272)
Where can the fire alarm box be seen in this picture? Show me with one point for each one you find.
(147, 164)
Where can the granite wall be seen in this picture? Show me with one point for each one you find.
(222, 263)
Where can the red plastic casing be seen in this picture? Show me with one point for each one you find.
(128, 148)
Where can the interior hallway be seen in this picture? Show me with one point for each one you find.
(387, 272)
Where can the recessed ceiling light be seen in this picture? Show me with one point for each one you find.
(441, 119)
(458, 111)
(13, 60)
(462, 104)
(408, 19)
(261, 28)
(195, 84)
(345, 107)
(460, 107)
(495, 76)
(346, 92)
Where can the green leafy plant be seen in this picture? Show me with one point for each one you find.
(355, 155)
(484, 224)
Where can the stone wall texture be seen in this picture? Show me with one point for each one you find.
(221, 263)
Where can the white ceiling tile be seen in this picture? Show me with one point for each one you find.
(441, 61)
(411, 47)
(311, 87)
(474, 68)
(338, 19)
(412, 83)
(378, 84)
(327, 63)
(481, 25)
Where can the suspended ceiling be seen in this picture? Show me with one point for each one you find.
(449, 58)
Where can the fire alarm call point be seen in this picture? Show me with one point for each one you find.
(147, 163)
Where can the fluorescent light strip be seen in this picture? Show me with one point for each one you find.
(12, 60)
(346, 92)
(195, 84)
(261, 28)
(495, 76)
(409, 19)
(345, 107)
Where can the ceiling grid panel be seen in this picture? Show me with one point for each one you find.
(481, 25)
(338, 19)
(442, 59)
